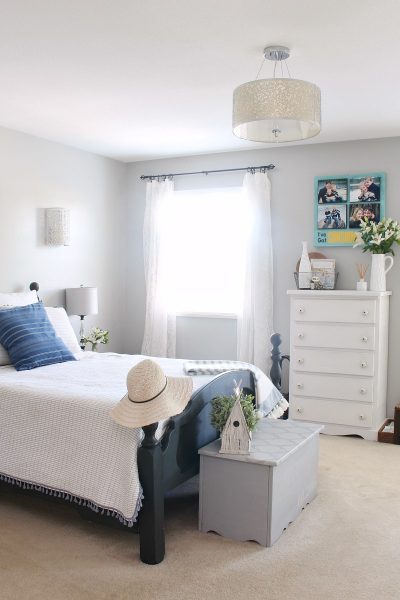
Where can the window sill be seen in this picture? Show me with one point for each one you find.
(207, 315)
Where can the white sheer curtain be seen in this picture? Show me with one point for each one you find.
(160, 327)
(255, 323)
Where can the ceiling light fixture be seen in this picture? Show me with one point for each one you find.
(280, 109)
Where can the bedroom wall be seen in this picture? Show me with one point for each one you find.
(35, 174)
(292, 213)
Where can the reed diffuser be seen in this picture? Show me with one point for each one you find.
(362, 284)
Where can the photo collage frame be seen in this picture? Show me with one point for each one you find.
(341, 201)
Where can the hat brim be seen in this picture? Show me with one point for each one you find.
(171, 402)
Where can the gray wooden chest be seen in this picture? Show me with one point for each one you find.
(256, 496)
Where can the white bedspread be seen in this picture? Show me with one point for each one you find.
(56, 434)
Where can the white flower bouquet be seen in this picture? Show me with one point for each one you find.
(96, 336)
(378, 238)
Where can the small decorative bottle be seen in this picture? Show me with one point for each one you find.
(304, 269)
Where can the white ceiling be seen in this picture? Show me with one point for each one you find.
(142, 79)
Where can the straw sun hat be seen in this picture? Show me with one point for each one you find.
(151, 396)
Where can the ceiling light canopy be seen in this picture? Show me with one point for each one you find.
(280, 109)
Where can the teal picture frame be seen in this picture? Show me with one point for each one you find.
(339, 203)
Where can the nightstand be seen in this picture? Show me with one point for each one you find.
(256, 496)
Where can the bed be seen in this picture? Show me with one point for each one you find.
(58, 439)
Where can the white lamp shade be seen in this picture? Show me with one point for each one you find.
(82, 301)
(276, 110)
(57, 226)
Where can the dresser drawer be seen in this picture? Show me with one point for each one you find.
(331, 311)
(345, 362)
(331, 411)
(335, 335)
(332, 386)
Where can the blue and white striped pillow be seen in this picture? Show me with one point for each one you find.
(30, 339)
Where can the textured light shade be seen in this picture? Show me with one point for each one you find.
(276, 110)
(57, 226)
(82, 301)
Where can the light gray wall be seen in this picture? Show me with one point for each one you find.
(35, 174)
(292, 214)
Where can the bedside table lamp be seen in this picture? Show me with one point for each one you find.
(82, 301)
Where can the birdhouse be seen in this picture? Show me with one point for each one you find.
(236, 437)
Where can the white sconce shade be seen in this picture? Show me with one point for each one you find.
(57, 226)
(82, 301)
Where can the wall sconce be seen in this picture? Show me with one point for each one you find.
(57, 226)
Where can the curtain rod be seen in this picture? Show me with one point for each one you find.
(250, 169)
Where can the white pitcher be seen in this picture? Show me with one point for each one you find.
(378, 272)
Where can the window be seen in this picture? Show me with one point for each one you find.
(205, 245)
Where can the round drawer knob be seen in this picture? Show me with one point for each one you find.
(300, 386)
(364, 338)
(300, 336)
(362, 418)
(300, 361)
(363, 391)
(299, 410)
(364, 364)
(301, 310)
(365, 313)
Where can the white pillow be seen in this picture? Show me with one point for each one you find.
(17, 299)
(63, 328)
(9, 301)
(4, 358)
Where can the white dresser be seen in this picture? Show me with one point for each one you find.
(338, 359)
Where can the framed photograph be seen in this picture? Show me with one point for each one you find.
(324, 269)
(332, 217)
(341, 201)
(366, 189)
(332, 190)
(363, 211)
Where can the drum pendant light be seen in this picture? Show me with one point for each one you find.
(280, 109)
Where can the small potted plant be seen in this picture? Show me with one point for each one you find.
(222, 407)
(234, 417)
(96, 336)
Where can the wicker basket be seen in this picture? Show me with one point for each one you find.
(387, 437)
(296, 278)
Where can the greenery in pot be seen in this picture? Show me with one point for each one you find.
(378, 238)
(96, 336)
(222, 407)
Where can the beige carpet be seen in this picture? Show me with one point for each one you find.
(345, 545)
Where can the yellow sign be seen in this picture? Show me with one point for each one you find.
(341, 237)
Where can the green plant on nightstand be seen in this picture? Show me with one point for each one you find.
(96, 336)
(221, 407)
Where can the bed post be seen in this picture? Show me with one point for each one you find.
(34, 286)
(277, 360)
(151, 515)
